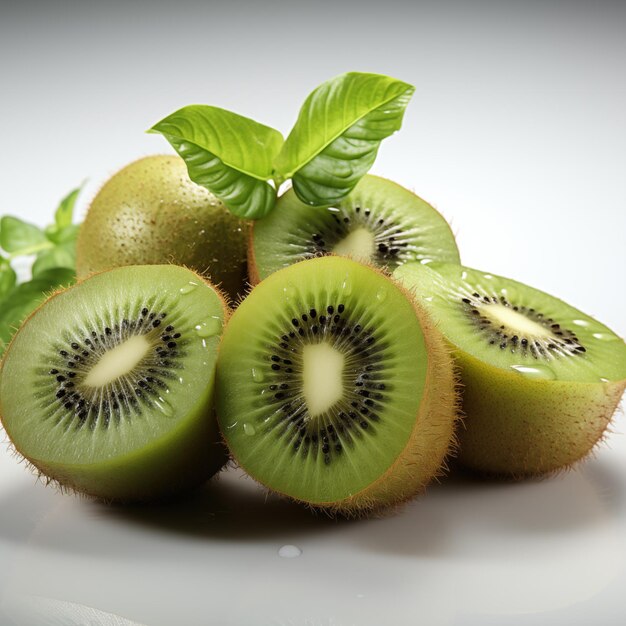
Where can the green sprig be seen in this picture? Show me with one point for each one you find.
(332, 145)
(53, 250)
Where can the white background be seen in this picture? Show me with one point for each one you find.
(516, 133)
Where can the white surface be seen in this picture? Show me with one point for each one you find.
(517, 134)
(549, 552)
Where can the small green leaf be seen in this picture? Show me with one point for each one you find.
(338, 132)
(232, 156)
(8, 277)
(62, 255)
(65, 211)
(25, 298)
(63, 235)
(20, 237)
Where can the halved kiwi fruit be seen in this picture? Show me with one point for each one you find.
(334, 389)
(150, 212)
(107, 388)
(380, 222)
(541, 380)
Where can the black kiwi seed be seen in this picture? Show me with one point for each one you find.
(313, 436)
(559, 341)
(90, 405)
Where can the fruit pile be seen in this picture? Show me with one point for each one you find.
(360, 357)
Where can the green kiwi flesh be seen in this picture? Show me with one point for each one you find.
(150, 212)
(107, 388)
(333, 389)
(541, 379)
(380, 223)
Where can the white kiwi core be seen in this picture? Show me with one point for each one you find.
(322, 374)
(506, 316)
(118, 362)
(359, 244)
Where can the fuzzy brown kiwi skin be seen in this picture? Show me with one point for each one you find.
(174, 221)
(253, 270)
(441, 402)
(400, 483)
(215, 452)
(518, 428)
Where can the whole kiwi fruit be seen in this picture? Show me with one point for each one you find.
(150, 212)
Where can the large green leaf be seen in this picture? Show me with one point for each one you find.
(232, 156)
(338, 132)
(25, 298)
(20, 237)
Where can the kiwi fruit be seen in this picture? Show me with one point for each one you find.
(540, 379)
(107, 388)
(150, 212)
(379, 223)
(334, 389)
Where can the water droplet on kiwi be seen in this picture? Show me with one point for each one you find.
(164, 406)
(604, 380)
(535, 372)
(257, 375)
(381, 294)
(249, 429)
(488, 276)
(463, 275)
(346, 286)
(582, 323)
(605, 336)
(289, 290)
(424, 261)
(289, 552)
(188, 288)
(209, 328)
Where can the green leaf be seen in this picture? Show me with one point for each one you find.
(232, 156)
(65, 211)
(8, 277)
(63, 235)
(25, 298)
(338, 132)
(62, 255)
(19, 237)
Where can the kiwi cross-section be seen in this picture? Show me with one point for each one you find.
(107, 388)
(541, 380)
(334, 389)
(380, 223)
